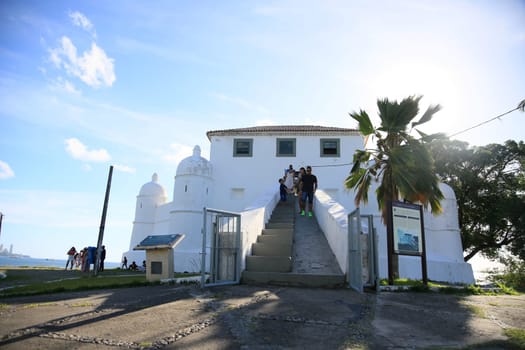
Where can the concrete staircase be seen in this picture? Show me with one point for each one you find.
(292, 251)
(273, 250)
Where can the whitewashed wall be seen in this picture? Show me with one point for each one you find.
(239, 181)
(444, 251)
(254, 219)
(333, 220)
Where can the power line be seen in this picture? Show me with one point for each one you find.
(330, 165)
(520, 106)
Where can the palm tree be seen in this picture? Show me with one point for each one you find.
(401, 162)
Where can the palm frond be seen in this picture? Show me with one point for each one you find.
(362, 190)
(364, 124)
(359, 181)
(353, 180)
(427, 116)
(395, 116)
(432, 137)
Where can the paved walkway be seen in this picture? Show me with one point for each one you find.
(254, 317)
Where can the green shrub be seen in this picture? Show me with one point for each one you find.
(513, 275)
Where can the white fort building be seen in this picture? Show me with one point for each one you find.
(242, 175)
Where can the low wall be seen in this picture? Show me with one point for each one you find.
(333, 221)
(444, 258)
(254, 219)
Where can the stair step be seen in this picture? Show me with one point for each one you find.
(281, 217)
(279, 225)
(275, 239)
(293, 279)
(289, 210)
(277, 231)
(281, 221)
(286, 220)
(269, 263)
(265, 249)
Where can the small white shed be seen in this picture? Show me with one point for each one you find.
(159, 255)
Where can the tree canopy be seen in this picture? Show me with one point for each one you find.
(489, 182)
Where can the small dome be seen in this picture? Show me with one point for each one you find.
(194, 165)
(153, 188)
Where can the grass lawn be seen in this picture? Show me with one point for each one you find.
(21, 281)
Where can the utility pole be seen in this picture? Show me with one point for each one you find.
(1, 217)
(103, 221)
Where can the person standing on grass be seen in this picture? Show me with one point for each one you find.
(71, 258)
(102, 258)
(308, 186)
(84, 260)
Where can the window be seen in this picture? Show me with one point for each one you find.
(330, 148)
(285, 147)
(242, 147)
(156, 267)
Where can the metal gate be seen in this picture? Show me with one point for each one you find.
(354, 268)
(370, 255)
(221, 248)
(362, 266)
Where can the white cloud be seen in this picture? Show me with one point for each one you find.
(65, 85)
(93, 67)
(78, 150)
(125, 168)
(69, 87)
(83, 22)
(177, 153)
(5, 171)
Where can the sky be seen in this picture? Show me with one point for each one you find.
(137, 84)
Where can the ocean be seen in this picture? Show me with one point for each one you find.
(35, 262)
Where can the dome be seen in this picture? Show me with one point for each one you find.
(194, 165)
(153, 188)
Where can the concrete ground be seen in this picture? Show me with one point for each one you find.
(254, 317)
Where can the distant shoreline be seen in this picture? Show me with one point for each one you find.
(15, 256)
(10, 261)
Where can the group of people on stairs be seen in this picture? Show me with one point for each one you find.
(302, 184)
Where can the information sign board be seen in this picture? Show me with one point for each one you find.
(407, 228)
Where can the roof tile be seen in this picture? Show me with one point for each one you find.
(284, 130)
